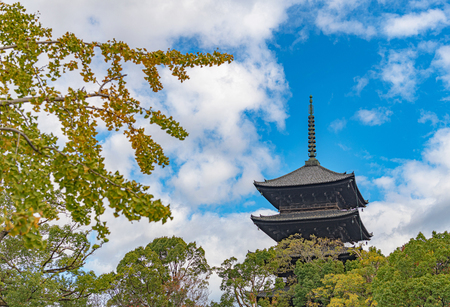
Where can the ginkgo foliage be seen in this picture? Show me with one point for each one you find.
(35, 170)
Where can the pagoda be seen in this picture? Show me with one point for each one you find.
(313, 200)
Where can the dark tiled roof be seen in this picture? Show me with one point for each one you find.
(305, 175)
(307, 215)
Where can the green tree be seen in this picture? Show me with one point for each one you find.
(352, 287)
(242, 282)
(310, 277)
(417, 274)
(296, 249)
(34, 169)
(167, 272)
(226, 300)
(310, 260)
(44, 277)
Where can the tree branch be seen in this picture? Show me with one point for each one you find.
(58, 98)
(110, 80)
(23, 115)
(3, 234)
(24, 136)
(39, 43)
(55, 250)
(10, 263)
(92, 171)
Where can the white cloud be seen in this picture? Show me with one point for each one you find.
(442, 63)
(344, 147)
(362, 181)
(330, 24)
(427, 46)
(118, 154)
(338, 124)
(222, 156)
(373, 117)
(400, 73)
(416, 197)
(158, 24)
(426, 116)
(343, 17)
(361, 83)
(414, 24)
(386, 183)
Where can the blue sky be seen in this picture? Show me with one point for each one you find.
(379, 73)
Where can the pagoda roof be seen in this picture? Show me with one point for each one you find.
(302, 216)
(335, 224)
(305, 175)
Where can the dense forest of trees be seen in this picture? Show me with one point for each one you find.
(170, 272)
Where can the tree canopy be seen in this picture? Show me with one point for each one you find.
(36, 169)
(243, 282)
(416, 274)
(167, 272)
(52, 275)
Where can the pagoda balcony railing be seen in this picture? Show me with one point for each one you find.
(310, 207)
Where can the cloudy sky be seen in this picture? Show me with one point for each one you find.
(379, 72)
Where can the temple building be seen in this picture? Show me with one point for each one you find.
(313, 200)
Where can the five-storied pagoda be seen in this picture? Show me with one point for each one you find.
(313, 200)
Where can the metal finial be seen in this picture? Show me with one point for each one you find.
(311, 136)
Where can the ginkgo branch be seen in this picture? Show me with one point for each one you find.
(24, 136)
(24, 117)
(110, 80)
(58, 98)
(61, 153)
(39, 43)
(91, 170)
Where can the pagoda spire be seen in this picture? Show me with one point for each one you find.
(311, 136)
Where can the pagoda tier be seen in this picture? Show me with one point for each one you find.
(333, 224)
(312, 188)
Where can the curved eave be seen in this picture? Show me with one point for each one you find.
(361, 199)
(281, 226)
(258, 185)
(305, 216)
(346, 181)
(305, 175)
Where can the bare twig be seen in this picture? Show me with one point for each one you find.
(41, 222)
